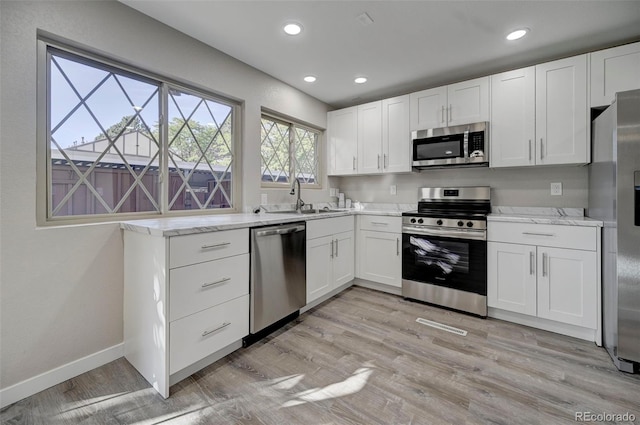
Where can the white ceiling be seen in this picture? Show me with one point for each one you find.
(411, 45)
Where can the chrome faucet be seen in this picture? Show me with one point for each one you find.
(299, 201)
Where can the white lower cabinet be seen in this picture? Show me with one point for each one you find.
(186, 302)
(549, 273)
(378, 250)
(330, 255)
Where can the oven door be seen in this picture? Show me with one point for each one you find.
(453, 261)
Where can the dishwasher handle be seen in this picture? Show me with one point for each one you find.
(280, 230)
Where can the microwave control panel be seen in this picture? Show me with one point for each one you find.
(476, 141)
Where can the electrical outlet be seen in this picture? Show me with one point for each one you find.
(556, 189)
(393, 189)
(263, 199)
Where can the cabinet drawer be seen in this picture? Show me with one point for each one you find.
(201, 247)
(380, 223)
(329, 226)
(199, 335)
(200, 286)
(552, 235)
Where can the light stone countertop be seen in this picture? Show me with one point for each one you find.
(175, 226)
(543, 215)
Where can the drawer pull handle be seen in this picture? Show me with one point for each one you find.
(397, 246)
(217, 282)
(336, 248)
(538, 234)
(545, 265)
(215, 245)
(210, 331)
(380, 223)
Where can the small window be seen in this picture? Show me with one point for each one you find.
(107, 148)
(288, 149)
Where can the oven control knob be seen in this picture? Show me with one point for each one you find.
(420, 221)
(413, 220)
(469, 224)
(439, 222)
(460, 224)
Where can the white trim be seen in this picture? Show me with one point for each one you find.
(586, 334)
(48, 379)
(381, 287)
(325, 297)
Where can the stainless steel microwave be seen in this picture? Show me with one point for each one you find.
(461, 145)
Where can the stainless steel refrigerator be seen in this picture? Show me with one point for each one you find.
(614, 198)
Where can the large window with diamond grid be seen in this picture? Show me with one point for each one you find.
(112, 150)
(288, 149)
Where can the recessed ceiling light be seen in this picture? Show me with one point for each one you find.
(517, 34)
(293, 28)
(310, 79)
(360, 80)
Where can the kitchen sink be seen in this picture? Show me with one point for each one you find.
(305, 212)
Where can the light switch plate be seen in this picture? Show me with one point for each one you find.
(393, 189)
(556, 189)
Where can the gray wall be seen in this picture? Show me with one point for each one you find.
(62, 286)
(509, 186)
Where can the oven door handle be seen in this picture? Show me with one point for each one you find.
(480, 235)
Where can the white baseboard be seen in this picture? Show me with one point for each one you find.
(395, 290)
(544, 324)
(48, 379)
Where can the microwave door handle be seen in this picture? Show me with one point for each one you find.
(465, 144)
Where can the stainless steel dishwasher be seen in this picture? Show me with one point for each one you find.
(278, 286)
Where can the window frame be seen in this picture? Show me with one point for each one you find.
(44, 216)
(293, 124)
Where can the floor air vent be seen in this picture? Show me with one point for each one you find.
(441, 326)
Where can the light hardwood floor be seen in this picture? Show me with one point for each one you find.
(361, 358)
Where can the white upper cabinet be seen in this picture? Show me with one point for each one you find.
(562, 112)
(428, 108)
(373, 138)
(468, 101)
(513, 124)
(614, 70)
(539, 115)
(461, 103)
(370, 138)
(396, 137)
(342, 140)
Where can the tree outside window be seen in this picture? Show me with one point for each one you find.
(106, 148)
(288, 149)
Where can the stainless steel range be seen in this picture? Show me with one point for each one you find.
(444, 248)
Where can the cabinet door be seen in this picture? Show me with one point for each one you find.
(567, 286)
(396, 137)
(513, 118)
(343, 258)
(319, 267)
(342, 130)
(379, 257)
(428, 108)
(561, 112)
(370, 138)
(614, 70)
(468, 101)
(511, 277)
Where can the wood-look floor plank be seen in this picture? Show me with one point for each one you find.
(361, 358)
